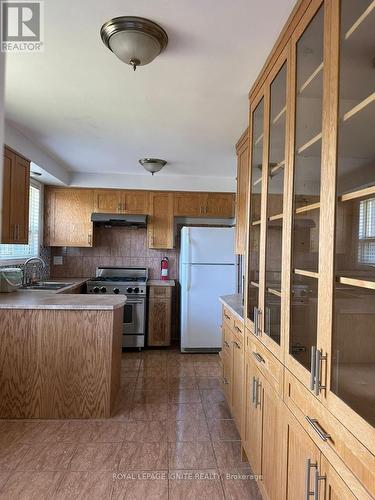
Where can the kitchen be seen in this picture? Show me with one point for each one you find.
(196, 323)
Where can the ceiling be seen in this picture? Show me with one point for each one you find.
(94, 115)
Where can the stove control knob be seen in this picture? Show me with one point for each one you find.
(116, 290)
(103, 289)
(129, 290)
(95, 289)
(136, 290)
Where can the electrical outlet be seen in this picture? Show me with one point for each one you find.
(57, 260)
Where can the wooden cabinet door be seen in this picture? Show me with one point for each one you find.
(136, 202)
(16, 186)
(20, 199)
(219, 205)
(109, 201)
(271, 441)
(69, 217)
(241, 198)
(159, 322)
(302, 460)
(160, 224)
(237, 383)
(252, 432)
(331, 486)
(189, 204)
(227, 360)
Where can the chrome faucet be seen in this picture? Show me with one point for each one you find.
(24, 277)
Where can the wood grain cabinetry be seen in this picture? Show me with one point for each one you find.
(16, 185)
(219, 205)
(68, 217)
(242, 149)
(121, 201)
(161, 207)
(159, 316)
(161, 223)
(310, 279)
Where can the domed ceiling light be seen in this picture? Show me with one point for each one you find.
(134, 40)
(152, 165)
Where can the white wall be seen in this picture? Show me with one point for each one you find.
(155, 182)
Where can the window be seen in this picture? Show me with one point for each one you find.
(12, 252)
(366, 245)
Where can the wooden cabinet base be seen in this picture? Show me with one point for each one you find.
(59, 363)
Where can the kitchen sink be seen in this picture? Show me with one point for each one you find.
(46, 285)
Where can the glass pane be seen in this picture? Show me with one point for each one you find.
(255, 207)
(272, 316)
(306, 240)
(355, 238)
(353, 349)
(303, 323)
(309, 101)
(275, 192)
(356, 146)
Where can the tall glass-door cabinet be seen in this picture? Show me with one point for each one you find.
(347, 298)
(309, 52)
(266, 225)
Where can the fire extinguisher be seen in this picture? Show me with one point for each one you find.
(164, 266)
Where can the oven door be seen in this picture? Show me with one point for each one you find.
(134, 316)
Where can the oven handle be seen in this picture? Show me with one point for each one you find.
(134, 302)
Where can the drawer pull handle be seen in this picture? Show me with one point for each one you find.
(226, 343)
(238, 329)
(318, 428)
(236, 344)
(258, 357)
(226, 315)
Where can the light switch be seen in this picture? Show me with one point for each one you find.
(57, 260)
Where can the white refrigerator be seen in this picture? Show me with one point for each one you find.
(208, 269)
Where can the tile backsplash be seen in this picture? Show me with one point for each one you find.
(116, 246)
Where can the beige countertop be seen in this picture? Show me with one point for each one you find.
(161, 283)
(234, 303)
(60, 299)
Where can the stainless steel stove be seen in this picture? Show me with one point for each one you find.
(132, 282)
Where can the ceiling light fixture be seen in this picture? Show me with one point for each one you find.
(134, 40)
(152, 165)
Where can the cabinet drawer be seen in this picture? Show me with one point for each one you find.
(339, 442)
(239, 329)
(161, 291)
(266, 362)
(228, 317)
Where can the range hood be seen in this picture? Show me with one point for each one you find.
(119, 220)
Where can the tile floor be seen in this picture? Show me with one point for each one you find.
(170, 437)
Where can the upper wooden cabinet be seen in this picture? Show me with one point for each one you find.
(160, 222)
(220, 205)
(242, 149)
(16, 185)
(68, 217)
(121, 201)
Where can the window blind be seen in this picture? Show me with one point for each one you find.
(366, 229)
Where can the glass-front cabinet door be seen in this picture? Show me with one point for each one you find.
(308, 87)
(351, 353)
(256, 181)
(277, 162)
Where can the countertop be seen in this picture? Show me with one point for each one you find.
(234, 303)
(161, 283)
(60, 299)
